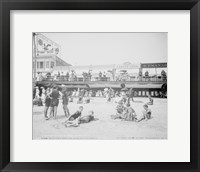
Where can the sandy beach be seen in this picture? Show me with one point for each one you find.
(104, 127)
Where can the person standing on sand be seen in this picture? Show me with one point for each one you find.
(109, 95)
(54, 101)
(65, 98)
(43, 95)
(130, 95)
(47, 103)
(37, 93)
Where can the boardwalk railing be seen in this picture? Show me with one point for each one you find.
(104, 79)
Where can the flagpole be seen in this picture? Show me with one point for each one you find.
(34, 55)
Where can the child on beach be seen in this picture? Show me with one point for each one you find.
(87, 118)
(146, 113)
(73, 120)
(119, 109)
(150, 100)
(129, 113)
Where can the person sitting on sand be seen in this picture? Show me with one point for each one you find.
(146, 113)
(129, 113)
(73, 119)
(87, 118)
(150, 100)
(120, 109)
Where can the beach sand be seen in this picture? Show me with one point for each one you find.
(104, 127)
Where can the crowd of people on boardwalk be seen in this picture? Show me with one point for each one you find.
(109, 75)
(49, 98)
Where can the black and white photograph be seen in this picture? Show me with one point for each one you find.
(99, 85)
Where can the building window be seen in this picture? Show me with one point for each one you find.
(41, 65)
(47, 64)
(38, 65)
(52, 64)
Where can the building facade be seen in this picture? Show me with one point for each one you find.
(46, 55)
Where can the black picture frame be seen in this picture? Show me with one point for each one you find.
(7, 5)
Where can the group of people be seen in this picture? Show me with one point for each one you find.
(109, 75)
(50, 99)
(76, 119)
(87, 76)
(125, 112)
(51, 102)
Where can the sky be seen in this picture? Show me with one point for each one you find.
(111, 48)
